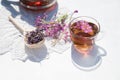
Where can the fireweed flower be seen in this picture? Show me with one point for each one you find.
(56, 27)
(84, 26)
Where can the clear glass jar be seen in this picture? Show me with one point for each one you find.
(37, 4)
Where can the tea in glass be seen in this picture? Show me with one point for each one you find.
(83, 31)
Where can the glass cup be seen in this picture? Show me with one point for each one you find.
(83, 31)
(37, 4)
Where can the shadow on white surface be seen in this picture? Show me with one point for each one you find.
(21, 52)
(90, 62)
(37, 54)
(27, 15)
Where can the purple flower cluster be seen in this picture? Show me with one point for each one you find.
(84, 26)
(52, 28)
(55, 27)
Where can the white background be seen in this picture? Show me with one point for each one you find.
(60, 66)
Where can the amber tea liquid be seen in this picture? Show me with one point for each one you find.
(37, 4)
(83, 41)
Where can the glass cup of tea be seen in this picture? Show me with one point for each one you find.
(83, 31)
(37, 4)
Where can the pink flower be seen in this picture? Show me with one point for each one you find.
(84, 26)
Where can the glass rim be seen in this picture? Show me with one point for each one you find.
(98, 25)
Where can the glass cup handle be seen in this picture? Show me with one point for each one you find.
(102, 52)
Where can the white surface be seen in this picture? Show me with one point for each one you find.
(60, 66)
